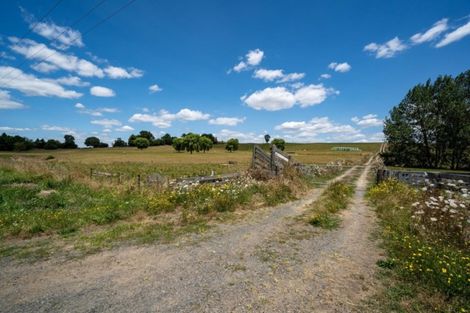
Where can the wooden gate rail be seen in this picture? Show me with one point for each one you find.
(274, 162)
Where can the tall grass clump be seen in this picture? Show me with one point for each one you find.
(425, 233)
(335, 198)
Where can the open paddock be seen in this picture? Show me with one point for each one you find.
(166, 161)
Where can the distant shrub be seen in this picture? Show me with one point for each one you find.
(141, 143)
(279, 143)
(232, 145)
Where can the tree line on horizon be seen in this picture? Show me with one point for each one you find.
(141, 140)
(430, 127)
(189, 142)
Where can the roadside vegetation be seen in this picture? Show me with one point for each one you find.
(426, 234)
(39, 203)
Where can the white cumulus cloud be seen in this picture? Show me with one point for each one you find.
(119, 72)
(369, 120)
(7, 103)
(30, 85)
(51, 59)
(44, 67)
(312, 94)
(154, 88)
(455, 35)
(62, 36)
(438, 28)
(38, 51)
(125, 128)
(268, 75)
(227, 121)
(72, 81)
(100, 91)
(252, 58)
(106, 123)
(291, 77)
(191, 115)
(279, 98)
(62, 129)
(14, 129)
(386, 50)
(318, 129)
(340, 67)
(164, 118)
(94, 112)
(245, 137)
(270, 99)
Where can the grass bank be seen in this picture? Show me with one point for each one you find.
(425, 234)
(41, 214)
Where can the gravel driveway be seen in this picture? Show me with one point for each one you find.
(269, 262)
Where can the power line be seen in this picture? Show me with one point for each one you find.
(81, 18)
(127, 4)
(56, 4)
(109, 16)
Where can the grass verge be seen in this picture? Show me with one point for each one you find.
(41, 215)
(323, 212)
(423, 272)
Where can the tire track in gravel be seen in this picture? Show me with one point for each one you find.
(229, 271)
(329, 271)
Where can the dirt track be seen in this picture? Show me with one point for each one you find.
(266, 263)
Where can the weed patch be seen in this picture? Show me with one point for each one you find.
(426, 246)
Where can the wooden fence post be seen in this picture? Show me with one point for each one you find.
(273, 165)
(138, 181)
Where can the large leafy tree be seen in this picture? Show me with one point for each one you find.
(141, 143)
(69, 142)
(430, 126)
(232, 145)
(167, 139)
(52, 144)
(92, 142)
(119, 143)
(205, 144)
(192, 142)
(211, 137)
(178, 144)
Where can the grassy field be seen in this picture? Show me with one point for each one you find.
(165, 160)
(48, 199)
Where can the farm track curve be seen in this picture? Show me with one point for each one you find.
(270, 262)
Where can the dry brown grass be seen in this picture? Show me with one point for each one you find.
(305, 153)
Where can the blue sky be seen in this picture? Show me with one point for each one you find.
(306, 71)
